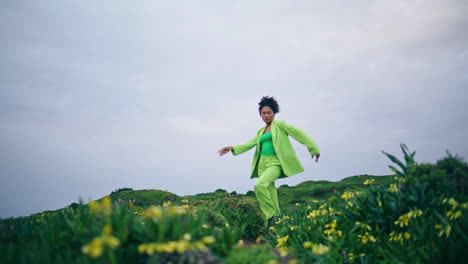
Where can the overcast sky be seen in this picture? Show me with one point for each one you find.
(101, 95)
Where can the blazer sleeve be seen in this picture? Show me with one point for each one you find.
(301, 137)
(239, 149)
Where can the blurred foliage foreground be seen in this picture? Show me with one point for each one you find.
(418, 215)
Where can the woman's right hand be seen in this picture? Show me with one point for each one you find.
(224, 150)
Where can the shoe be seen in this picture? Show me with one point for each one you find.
(271, 221)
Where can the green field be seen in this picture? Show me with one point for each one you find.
(416, 215)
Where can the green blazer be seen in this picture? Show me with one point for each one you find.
(280, 131)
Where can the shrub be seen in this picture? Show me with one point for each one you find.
(122, 190)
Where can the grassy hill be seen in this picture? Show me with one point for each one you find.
(304, 192)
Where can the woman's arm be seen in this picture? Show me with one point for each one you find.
(301, 137)
(239, 149)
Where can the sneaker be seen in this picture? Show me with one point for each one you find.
(271, 221)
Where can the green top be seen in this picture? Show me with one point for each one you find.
(267, 148)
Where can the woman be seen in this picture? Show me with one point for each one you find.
(274, 155)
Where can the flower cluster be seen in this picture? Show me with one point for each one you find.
(281, 245)
(369, 182)
(317, 249)
(347, 195)
(179, 246)
(393, 188)
(444, 230)
(404, 219)
(366, 238)
(399, 237)
(101, 208)
(454, 213)
(95, 247)
(331, 230)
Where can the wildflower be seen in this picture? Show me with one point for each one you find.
(369, 182)
(187, 236)
(308, 207)
(208, 240)
(404, 219)
(393, 188)
(205, 226)
(167, 204)
(320, 249)
(94, 248)
(315, 201)
(444, 230)
(153, 212)
(272, 229)
(185, 201)
(104, 207)
(366, 238)
(453, 215)
(283, 251)
(363, 225)
(273, 261)
(350, 204)
(297, 204)
(281, 241)
(307, 244)
(347, 195)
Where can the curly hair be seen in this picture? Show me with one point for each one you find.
(269, 101)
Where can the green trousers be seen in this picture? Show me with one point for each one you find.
(269, 169)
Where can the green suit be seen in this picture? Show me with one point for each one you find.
(280, 130)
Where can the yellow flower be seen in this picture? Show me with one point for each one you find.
(283, 251)
(393, 188)
(94, 248)
(185, 201)
(369, 182)
(111, 241)
(273, 262)
(205, 226)
(307, 244)
(293, 228)
(404, 219)
(154, 212)
(167, 204)
(347, 195)
(104, 207)
(298, 204)
(272, 229)
(453, 215)
(208, 240)
(366, 238)
(187, 236)
(282, 241)
(444, 230)
(320, 249)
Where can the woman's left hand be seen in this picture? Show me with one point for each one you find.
(316, 157)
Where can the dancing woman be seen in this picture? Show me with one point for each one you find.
(274, 155)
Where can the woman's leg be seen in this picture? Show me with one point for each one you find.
(265, 191)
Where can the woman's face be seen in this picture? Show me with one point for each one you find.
(267, 114)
